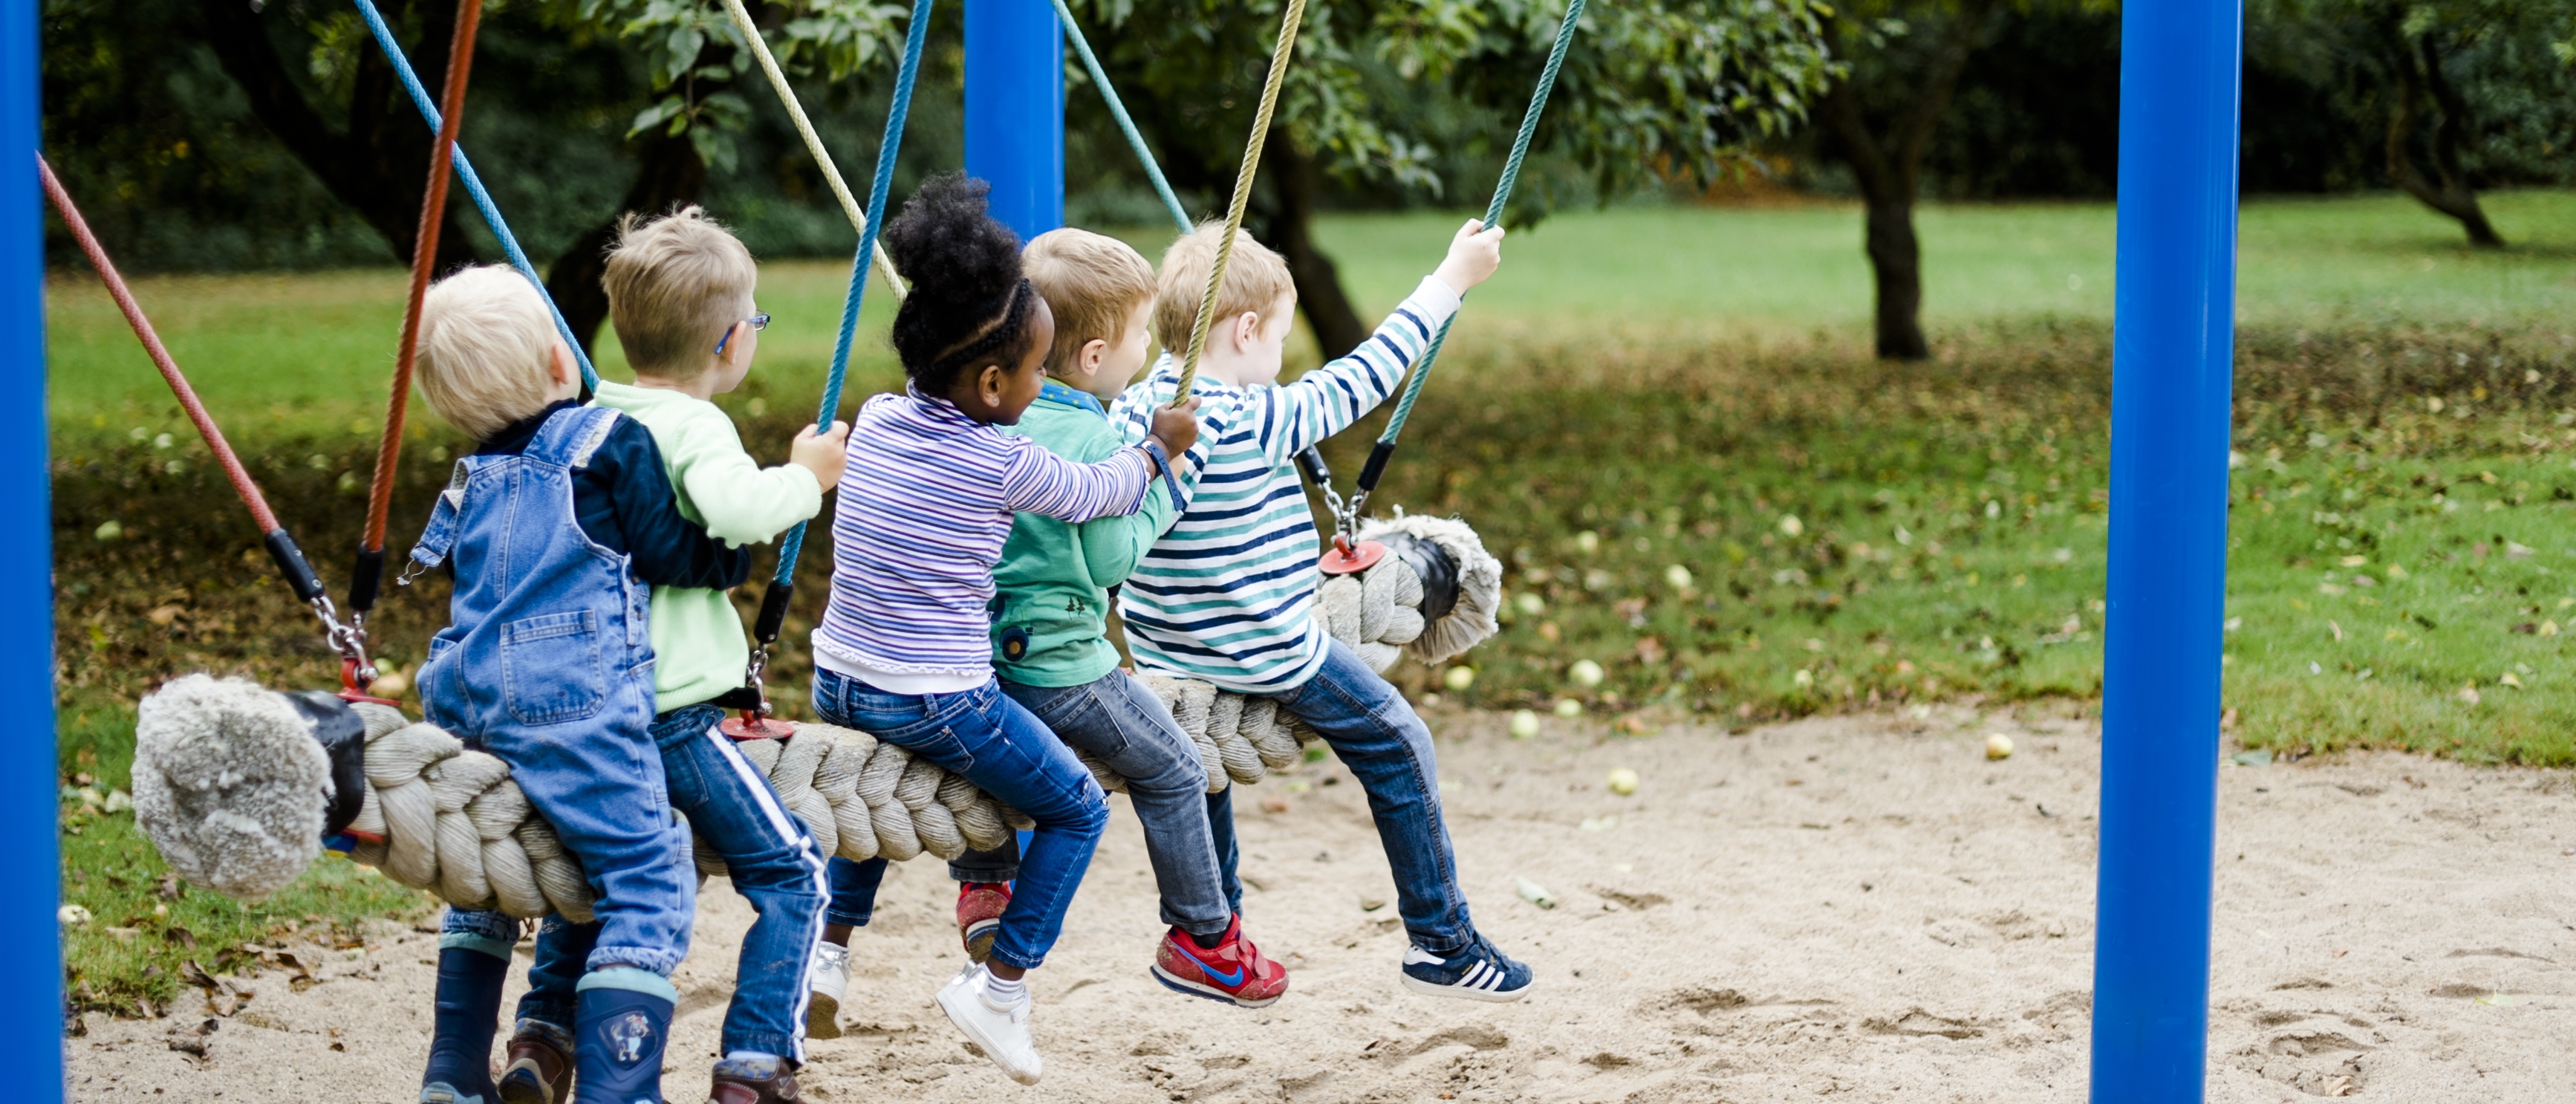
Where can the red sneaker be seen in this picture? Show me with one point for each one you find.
(1232, 971)
(979, 915)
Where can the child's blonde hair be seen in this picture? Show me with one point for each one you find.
(486, 348)
(1256, 279)
(1092, 282)
(675, 285)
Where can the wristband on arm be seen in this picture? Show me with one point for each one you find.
(1161, 461)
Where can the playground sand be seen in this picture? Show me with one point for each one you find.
(1857, 906)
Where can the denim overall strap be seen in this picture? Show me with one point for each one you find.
(568, 442)
(439, 537)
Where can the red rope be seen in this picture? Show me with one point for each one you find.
(424, 264)
(232, 465)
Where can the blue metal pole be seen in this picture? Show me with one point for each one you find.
(2171, 354)
(31, 1020)
(1015, 110)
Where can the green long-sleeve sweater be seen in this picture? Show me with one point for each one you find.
(1051, 599)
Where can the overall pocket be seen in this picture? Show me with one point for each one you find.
(551, 669)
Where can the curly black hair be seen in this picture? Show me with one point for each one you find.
(969, 304)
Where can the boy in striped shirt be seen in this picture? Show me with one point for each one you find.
(1227, 596)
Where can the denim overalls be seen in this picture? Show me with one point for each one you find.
(546, 664)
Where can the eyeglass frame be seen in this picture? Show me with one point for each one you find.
(759, 322)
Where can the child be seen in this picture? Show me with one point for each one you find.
(1244, 620)
(680, 291)
(1051, 647)
(554, 528)
(904, 649)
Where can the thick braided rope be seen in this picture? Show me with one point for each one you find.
(1118, 111)
(451, 822)
(1234, 208)
(474, 184)
(793, 546)
(1493, 210)
(805, 128)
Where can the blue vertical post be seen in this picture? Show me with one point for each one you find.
(1015, 110)
(2174, 334)
(31, 1020)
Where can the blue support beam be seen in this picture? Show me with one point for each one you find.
(31, 1020)
(1015, 110)
(2171, 356)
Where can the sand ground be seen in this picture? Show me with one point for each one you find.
(1858, 907)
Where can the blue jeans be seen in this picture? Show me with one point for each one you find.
(1189, 833)
(999, 746)
(772, 861)
(1375, 733)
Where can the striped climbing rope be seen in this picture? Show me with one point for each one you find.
(1279, 55)
(1118, 111)
(805, 128)
(473, 184)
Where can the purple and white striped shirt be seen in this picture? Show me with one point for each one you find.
(925, 505)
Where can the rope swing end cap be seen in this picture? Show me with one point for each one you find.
(1346, 558)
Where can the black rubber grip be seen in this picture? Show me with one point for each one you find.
(773, 611)
(366, 580)
(290, 561)
(1375, 469)
(1311, 461)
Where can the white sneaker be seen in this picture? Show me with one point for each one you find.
(1001, 1030)
(828, 979)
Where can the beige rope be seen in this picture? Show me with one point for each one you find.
(1242, 196)
(813, 142)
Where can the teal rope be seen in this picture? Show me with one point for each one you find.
(887, 147)
(1118, 111)
(474, 185)
(1493, 211)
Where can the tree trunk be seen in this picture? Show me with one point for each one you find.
(378, 164)
(1888, 169)
(1287, 226)
(2418, 66)
(670, 176)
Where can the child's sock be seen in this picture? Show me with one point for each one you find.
(1210, 941)
(750, 1064)
(1006, 994)
(469, 1012)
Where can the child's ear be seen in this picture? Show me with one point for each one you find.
(989, 384)
(1247, 331)
(1094, 352)
(560, 363)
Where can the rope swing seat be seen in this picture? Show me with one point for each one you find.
(241, 787)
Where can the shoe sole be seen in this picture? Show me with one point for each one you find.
(1210, 992)
(977, 1037)
(1489, 996)
(531, 1089)
(978, 938)
(444, 1093)
(822, 1017)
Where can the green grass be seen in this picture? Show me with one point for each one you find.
(1676, 383)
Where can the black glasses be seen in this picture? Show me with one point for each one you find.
(758, 322)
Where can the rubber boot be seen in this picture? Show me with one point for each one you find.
(469, 1012)
(617, 1049)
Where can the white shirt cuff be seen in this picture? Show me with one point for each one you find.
(1436, 299)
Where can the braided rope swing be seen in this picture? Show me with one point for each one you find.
(1243, 176)
(751, 36)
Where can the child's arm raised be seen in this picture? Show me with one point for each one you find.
(1040, 482)
(667, 549)
(1329, 399)
(742, 502)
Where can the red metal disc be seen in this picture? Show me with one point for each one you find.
(756, 728)
(1347, 559)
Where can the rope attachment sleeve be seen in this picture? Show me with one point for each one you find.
(491, 212)
(1385, 447)
(1243, 176)
(281, 545)
(751, 36)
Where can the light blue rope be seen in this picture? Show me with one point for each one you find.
(913, 37)
(1118, 111)
(1494, 210)
(474, 185)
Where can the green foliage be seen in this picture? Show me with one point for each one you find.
(2502, 56)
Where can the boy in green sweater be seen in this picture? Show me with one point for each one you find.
(680, 292)
(1051, 650)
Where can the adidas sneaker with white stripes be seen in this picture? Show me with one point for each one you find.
(1476, 972)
